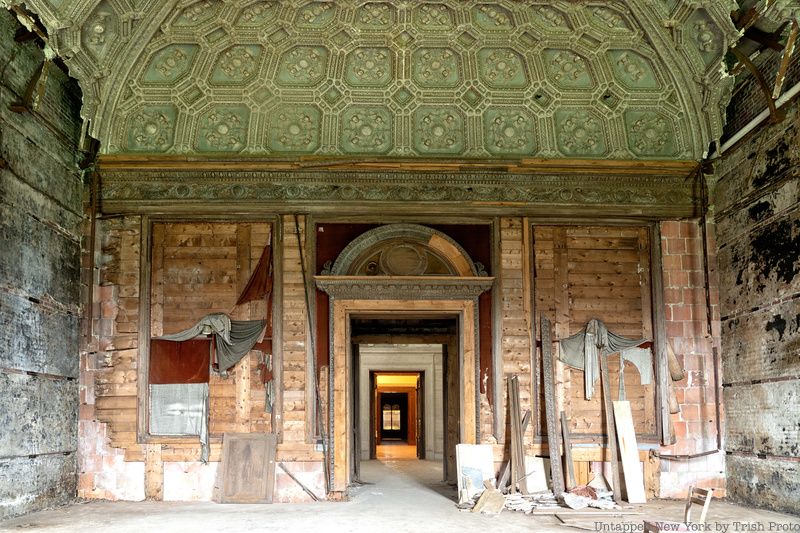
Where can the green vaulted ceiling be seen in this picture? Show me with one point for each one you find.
(458, 79)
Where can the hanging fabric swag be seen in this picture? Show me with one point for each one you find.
(581, 351)
(180, 362)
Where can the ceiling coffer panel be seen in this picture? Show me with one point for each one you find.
(457, 79)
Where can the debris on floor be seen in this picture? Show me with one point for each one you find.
(526, 503)
(584, 496)
(491, 501)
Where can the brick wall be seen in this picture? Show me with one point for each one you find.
(686, 326)
(748, 97)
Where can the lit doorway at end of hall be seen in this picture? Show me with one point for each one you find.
(397, 414)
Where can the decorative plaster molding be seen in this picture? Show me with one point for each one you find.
(175, 189)
(403, 288)
(623, 79)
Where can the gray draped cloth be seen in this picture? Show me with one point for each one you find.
(582, 349)
(233, 338)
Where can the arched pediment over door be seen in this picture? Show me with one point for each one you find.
(404, 270)
(417, 261)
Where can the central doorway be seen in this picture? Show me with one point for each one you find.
(397, 415)
(406, 388)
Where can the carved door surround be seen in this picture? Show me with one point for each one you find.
(401, 270)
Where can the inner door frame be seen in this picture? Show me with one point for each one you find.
(341, 415)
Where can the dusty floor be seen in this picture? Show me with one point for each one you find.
(406, 496)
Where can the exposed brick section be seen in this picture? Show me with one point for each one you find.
(687, 331)
(749, 99)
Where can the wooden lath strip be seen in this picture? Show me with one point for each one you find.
(788, 50)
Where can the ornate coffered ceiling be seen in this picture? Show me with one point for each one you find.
(448, 78)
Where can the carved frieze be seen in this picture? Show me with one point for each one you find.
(403, 288)
(135, 190)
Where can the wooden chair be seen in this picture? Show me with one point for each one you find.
(696, 496)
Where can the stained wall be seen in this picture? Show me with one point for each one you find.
(41, 212)
(757, 201)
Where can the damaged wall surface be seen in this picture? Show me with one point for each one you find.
(758, 221)
(40, 238)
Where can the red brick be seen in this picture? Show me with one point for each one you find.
(691, 362)
(676, 246)
(696, 328)
(689, 229)
(692, 395)
(86, 412)
(694, 295)
(86, 482)
(672, 262)
(680, 429)
(670, 228)
(696, 278)
(691, 262)
(688, 446)
(674, 329)
(674, 296)
(680, 394)
(690, 412)
(678, 279)
(694, 429)
(681, 312)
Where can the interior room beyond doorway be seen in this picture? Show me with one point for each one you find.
(415, 372)
(398, 414)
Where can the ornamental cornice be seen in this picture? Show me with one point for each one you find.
(403, 288)
(127, 191)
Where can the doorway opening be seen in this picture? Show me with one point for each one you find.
(397, 415)
(406, 389)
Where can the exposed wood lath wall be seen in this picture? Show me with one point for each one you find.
(596, 272)
(201, 268)
(115, 388)
(196, 269)
(515, 296)
(297, 392)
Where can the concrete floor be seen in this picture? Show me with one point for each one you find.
(405, 496)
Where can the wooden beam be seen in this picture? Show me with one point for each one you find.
(143, 338)
(785, 59)
(553, 436)
(742, 57)
(610, 427)
(570, 482)
(260, 163)
(153, 472)
(505, 472)
(634, 481)
(660, 336)
(764, 38)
